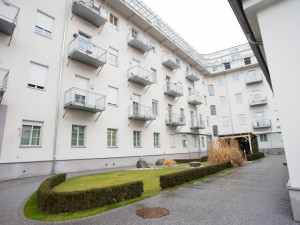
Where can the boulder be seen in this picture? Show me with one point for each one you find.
(160, 162)
(195, 164)
(141, 163)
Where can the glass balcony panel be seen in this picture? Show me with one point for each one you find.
(196, 123)
(173, 89)
(175, 120)
(192, 75)
(140, 75)
(257, 100)
(261, 124)
(170, 61)
(195, 99)
(139, 42)
(140, 112)
(8, 17)
(3, 79)
(253, 79)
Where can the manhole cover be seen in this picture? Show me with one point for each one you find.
(152, 212)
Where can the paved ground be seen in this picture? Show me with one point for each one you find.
(253, 194)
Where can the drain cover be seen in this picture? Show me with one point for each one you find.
(152, 212)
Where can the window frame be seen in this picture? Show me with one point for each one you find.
(114, 18)
(263, 137)
(242, 119)
(183, 140)
(33, 85)
(203, 142)
(111, 130)
(113, 52)
(156, 140)
(172, 145)
(239, 100)
(32, 124)
(77, 137)
(137, 139)
(223, 101)
(213, 110)
(211, 91)
(108, 98)
(225, 121)
(220, 81)
(43, 30)
(227, 66)
(236, 78)
(247, 61)
(215, 131)
(155, 110)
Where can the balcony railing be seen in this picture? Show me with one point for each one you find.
(140, 75)
(139, 42)
(8, 17)
(91, 11)
(170, 61)
(194, 99)
(253, 101)
(86, 52)
(140, 112)
(261, 124)
(192, 75)
(253, 79)
(3, 82)
(173, 89)
(175, 120)
(83, 100)
(197, 123)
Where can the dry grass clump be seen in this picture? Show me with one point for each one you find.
(169, 162)
(225, 151)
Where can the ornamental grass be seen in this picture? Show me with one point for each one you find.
(169, 162)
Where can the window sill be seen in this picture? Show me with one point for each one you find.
(157, 146)
(30, 146)
(112, 147)
(113, 105)
(50, 38)
(78, 146)
(137, 146)
(36, 88)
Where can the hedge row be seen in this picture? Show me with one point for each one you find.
(202, 159)
(256, 155)
(58, 202)
(173, 179)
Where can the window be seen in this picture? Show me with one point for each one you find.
(207, 121)
(78, 136)
(156, 140)
(194, 139)
(31, 133)
(44, 25)
(81, 95)
(263, 137)
(184, 142)
(84, 43)
(247, 60)
(236, 78)
(208, 139)
(114, 21)
(220, 81)
(37, 76)
(215, 131)
(190, 91)
(172, 144)
(239, 98)
(155, 107)
(152, 45)
(211, 90)
(137, 138)
(213, 111)
(113, 57)
(203, 141)
(223, 100)
(235, 57)
(227, 66)
(181, 117)
(154, 75)
(112, 97)
(205, 100)
(242, 119)
(112, 137)
(225, 121)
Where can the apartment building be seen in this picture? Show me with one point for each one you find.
(94, 84)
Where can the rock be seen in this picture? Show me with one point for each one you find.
(195, 164)
(141, 163)
(160, 162)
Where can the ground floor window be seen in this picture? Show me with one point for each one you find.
(263, 137)
(184, 142)
(31, 133)
(172, 144)
(203, 141)
(137, 138)
(112, 137)
(78, 136)
(156, 140)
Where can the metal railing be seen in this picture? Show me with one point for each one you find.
(91, 49)
(80, 97)
(175, 119)
(3, 79)
(173, 87)
(261, 123)
(140, 72)
(140, 111)
(91, 5)
(139, 37)
(194, 98)
(9, 11)
(192, 73)
(197, 123)
(170, 57)
(257, 100)
(254, 78)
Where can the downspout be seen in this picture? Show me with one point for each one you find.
(199, 144)
(253, 42)
(58, 89)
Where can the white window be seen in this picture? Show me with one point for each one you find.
(203, 141)
(194, 139)
(236, 78)
(172, 144)
(215, 131)
(81, 92)
(207, 121)
(78, 136)
(236, 57)
(223, 100)
(114, 21)
(156, 140)
(155, 107)
(31, 133)
(84, 43)
(113, 57)
(37, 76)
(184, 142)
(154, 75)
(137, 138)
(239, 98)
(205, 100)
(225, 121)
(242, 119)
(112, 96)
(263, 137)
(112, 137)
(211, 90)
(152, 45)
(220, 81)
(213, 110)
(44, 25)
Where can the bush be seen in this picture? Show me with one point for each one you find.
(202, 159)
(173, 179)
(58, 202)
(169, 162)
(256, 155)
(223, 151)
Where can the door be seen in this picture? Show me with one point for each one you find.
(181, 118)
(136, 66)
(135, 33)
(84, 43)
(256, 97)
(81, 85)
(260, 120)
(168, 83)
(136, 105)
(170, 113)
(192, 119)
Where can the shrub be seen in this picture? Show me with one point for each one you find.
(223, 151)
(256, 155)
(169, 162)
(173, 179)
(58, 202)
(202, 159)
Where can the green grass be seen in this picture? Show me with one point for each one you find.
(150, 179)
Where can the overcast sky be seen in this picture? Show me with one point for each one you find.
(208, 25)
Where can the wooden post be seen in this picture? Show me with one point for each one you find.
(250, 144)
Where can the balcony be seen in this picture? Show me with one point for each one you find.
(8, 17)
(254, 79)
(83, 100)
(91, 11)
(194, 99)
(255, 101)
(140, 112)
(173, 89)
(3, 82)
(192, 75)
(141, 76)
(197, 124)
(170, 61)
(175, 120)
(86, 52)
(261, 124)
(139, 42)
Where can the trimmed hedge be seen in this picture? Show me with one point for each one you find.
(58, 202)
(202, 159)
(174, 179)
(256, 155)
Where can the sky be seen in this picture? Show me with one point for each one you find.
(208, 25)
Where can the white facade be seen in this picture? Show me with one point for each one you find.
(81, 94)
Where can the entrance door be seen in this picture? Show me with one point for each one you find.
(81, 85)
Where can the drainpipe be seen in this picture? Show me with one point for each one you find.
(58, 89)
(199, 144)
(253, 42)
